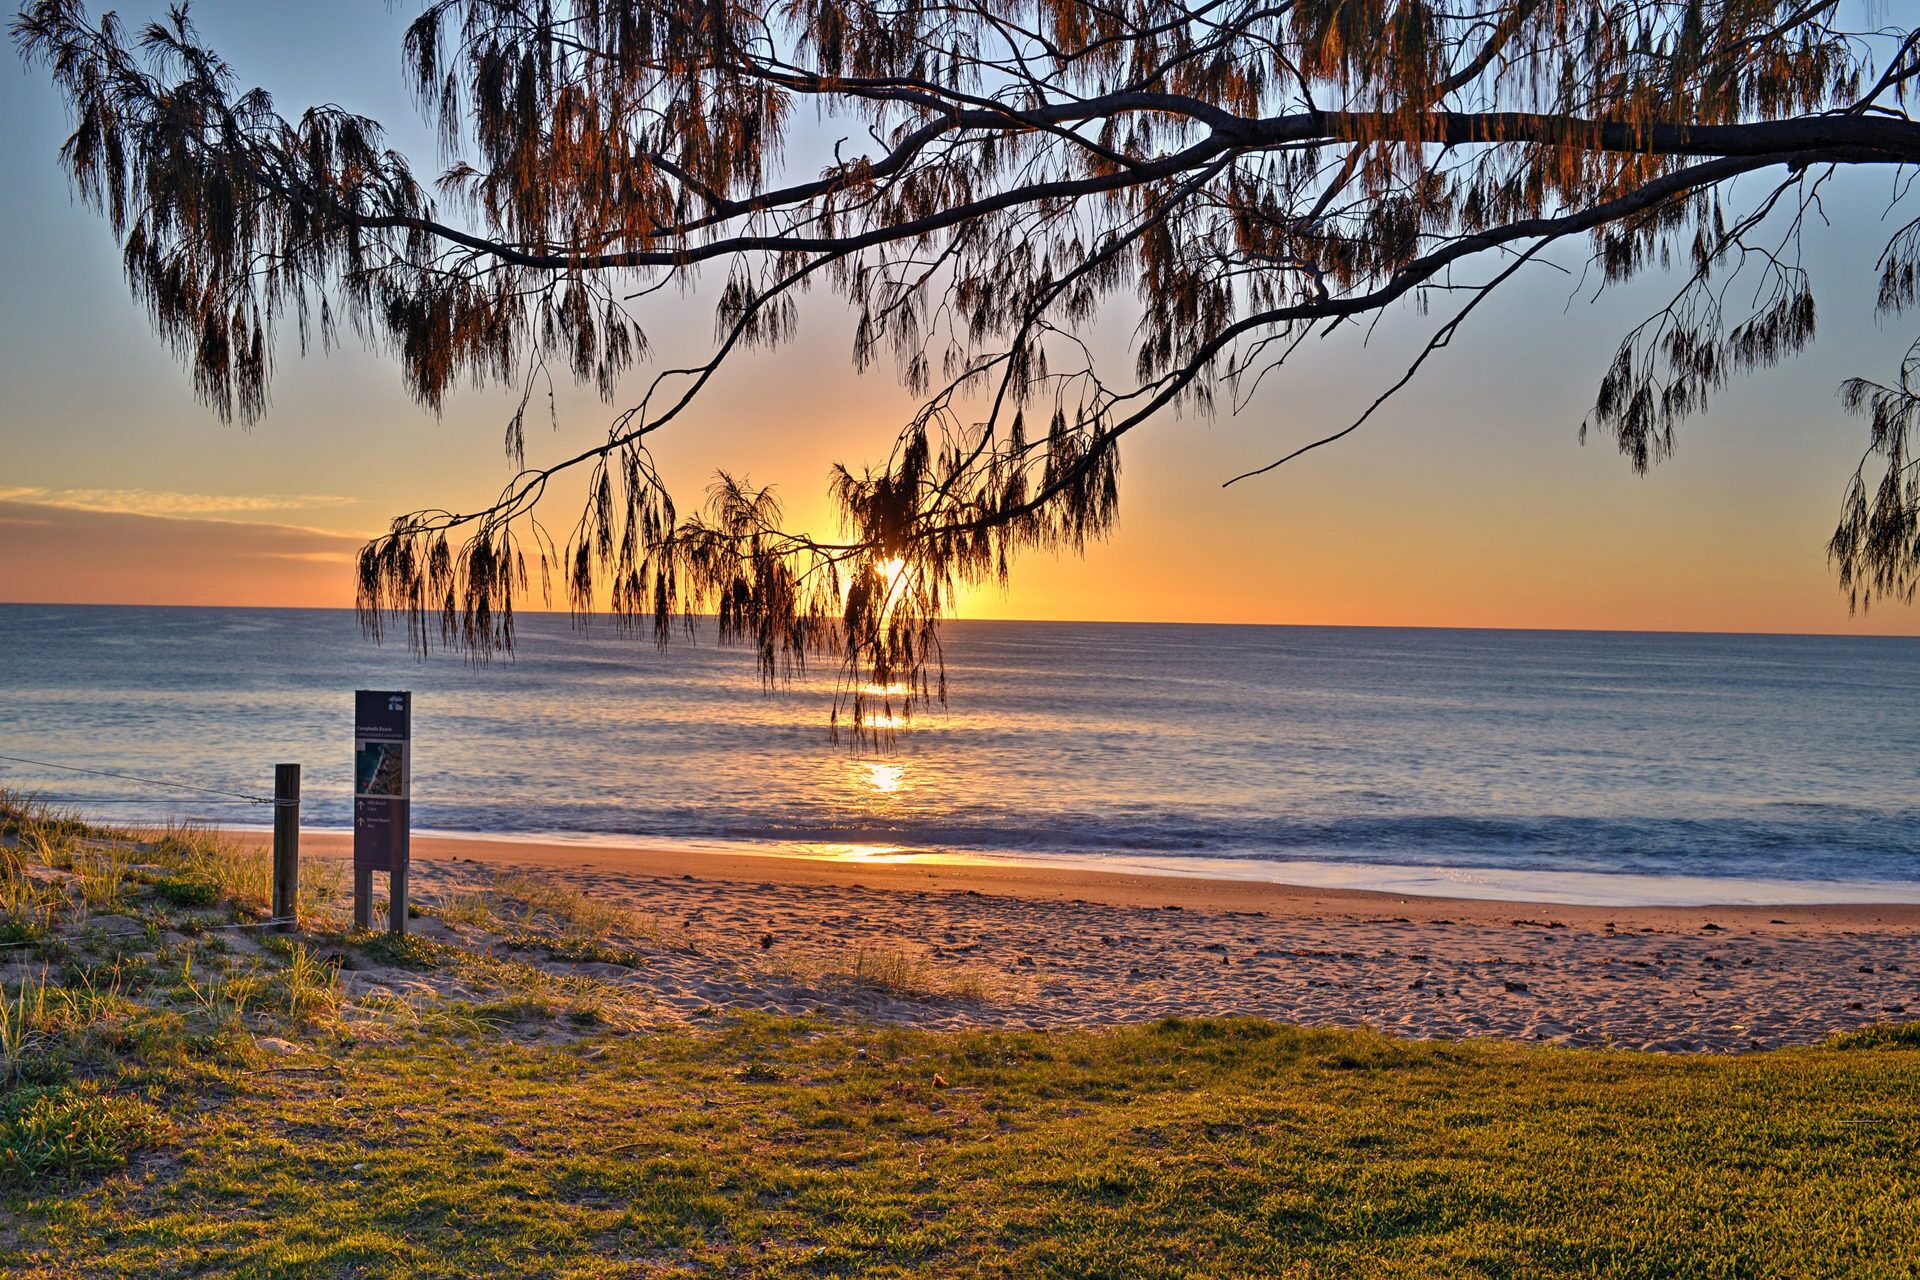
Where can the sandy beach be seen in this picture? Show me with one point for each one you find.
(1063, 948)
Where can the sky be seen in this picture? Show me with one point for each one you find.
(1468, 501)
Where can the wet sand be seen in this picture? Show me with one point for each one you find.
(1079, 948)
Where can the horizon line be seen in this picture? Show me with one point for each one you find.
(586, 621)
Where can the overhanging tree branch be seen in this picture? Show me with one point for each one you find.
(1250, 171)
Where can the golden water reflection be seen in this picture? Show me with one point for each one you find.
(884, 778)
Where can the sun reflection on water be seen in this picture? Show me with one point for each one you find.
(884, 778)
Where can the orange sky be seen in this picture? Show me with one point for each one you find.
(63, 556)
(66, 554)
(1466, 502)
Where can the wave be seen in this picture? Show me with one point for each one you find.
(1883, 846)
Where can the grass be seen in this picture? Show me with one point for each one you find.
(27, 909)
(204, 866)
(522, 901)
(498, 992)
(24, 820)
(177, 1102)
(1885, 1035)
(793, 1148)
(528, 912)
(21, 1031)
(894, 972)
(103, 870)
(49, 1134)
(471, 908)
(41, 1016)
(308, 987)
(31, 835)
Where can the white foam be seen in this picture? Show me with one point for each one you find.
(1497, 884)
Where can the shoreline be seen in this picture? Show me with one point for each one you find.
(1082, 884)
(1065, 948)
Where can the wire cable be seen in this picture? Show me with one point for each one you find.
(140, 933)
(130, 777)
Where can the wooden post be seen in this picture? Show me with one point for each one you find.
(286, 846)
(397, 900)
(362, 898)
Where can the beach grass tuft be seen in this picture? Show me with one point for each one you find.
(102, 869)
(209, 864)
(1881, 1035)
(307, 987)
(28, 907)
(893, 971)
(27, 820)
(472, 908)
(203, 866)
(529, 899)
(524, 910)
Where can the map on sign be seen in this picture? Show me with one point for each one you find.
(380, 769)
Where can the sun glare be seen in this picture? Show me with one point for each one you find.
(885, 779)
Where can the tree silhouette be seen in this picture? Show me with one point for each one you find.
(1253, 171)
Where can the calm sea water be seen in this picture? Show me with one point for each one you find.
(1599, 767)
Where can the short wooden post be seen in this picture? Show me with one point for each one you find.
(286, 846)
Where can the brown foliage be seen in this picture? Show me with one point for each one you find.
(1252, 171)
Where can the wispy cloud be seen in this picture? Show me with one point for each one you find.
(165, 502)
(57, 554)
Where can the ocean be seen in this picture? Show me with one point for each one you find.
(1595, 767)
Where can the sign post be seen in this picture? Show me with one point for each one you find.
(382, 772)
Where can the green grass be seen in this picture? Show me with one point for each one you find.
(103, 876)
(789, 1148)
(206, 866)
(51, 1133)
(1884, 1035)
(176, 1104)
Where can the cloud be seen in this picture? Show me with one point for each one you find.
(164, 502)
(345, 555)
(70, 555)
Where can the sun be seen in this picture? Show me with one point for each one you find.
(893, 571)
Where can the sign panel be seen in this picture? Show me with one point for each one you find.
(382, 732)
